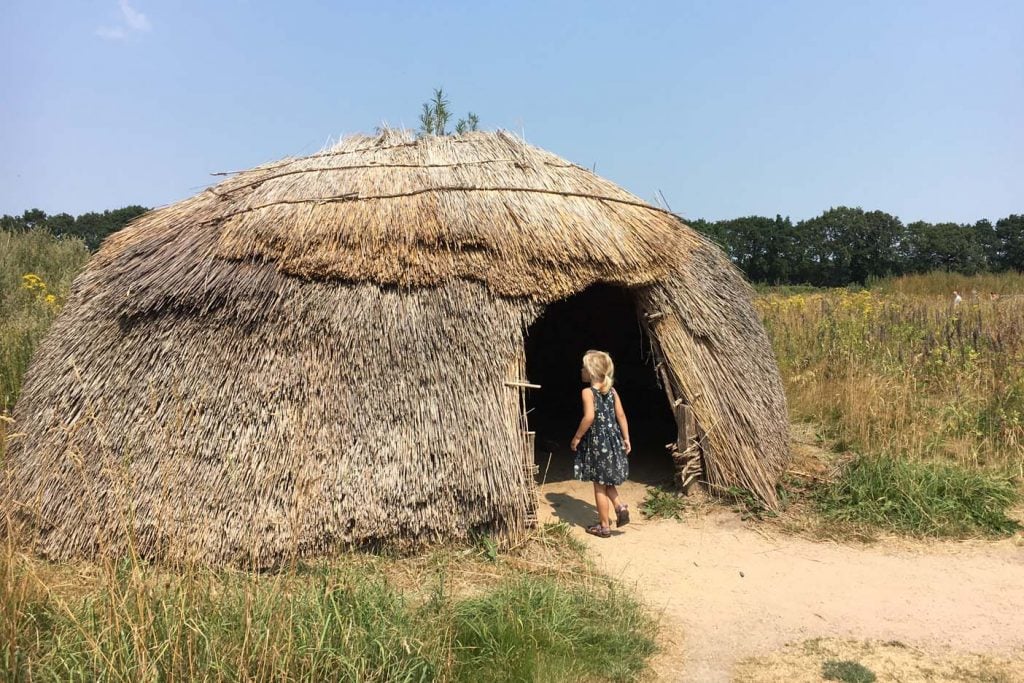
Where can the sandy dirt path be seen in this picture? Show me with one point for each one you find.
(729, 590)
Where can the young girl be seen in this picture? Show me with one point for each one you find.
(601, 442)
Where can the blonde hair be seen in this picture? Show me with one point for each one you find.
(601, 369)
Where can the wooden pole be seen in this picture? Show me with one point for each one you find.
(522, 385)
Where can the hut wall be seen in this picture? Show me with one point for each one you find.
(719, 358)
(343, 414)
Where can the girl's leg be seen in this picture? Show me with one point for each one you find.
(603, 504)
(613, 496)
(609, 511)
(617, 509)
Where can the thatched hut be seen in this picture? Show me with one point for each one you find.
(331, 350)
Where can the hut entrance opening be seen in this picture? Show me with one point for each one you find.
(601, 317)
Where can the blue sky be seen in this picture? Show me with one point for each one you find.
(728, 108)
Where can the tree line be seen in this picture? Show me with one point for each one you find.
(850, 245)
(841, 246)
(92, 227)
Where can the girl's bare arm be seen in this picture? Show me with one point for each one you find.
(620, 417)
(588, 417)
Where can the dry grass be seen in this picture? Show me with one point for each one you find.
(943, 284)
(718, 358)
(314, 354)
(906, 375)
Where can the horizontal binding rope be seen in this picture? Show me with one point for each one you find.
(354, 167)
(352, 197)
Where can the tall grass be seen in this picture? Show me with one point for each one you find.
(535, 631)
(36, 270)
(344, 620)
(907, 375)
(943, 284)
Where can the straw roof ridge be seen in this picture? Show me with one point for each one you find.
(387, 138)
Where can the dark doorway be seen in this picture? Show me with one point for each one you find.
(602, 317)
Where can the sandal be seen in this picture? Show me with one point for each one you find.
(599, 531)
(622, 515)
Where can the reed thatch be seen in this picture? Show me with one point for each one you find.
(315, 353)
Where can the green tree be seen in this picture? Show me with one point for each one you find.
(1010, 233)
(61, 224)
(12, 223)
(706, 228)
(435, 115)
(854, 245)
(808, 258)
(944, 246)
(762, 247)
(988, 240)
(95, 227)
(34, 218)
(92, 228)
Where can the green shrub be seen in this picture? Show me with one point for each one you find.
(846, 670)
(920, 498)
(662, 502)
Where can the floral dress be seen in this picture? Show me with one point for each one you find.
(601, 454)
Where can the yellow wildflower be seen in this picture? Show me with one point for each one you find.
(31, 282)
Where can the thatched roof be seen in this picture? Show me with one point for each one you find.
(310, 353)
(398, 211)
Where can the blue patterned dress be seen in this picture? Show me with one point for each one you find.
(601, 454)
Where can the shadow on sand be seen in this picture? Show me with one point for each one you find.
(574, 511)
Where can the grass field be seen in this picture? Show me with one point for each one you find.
(928, 396)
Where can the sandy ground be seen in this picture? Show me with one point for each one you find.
(729, 590)
(889, 660)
